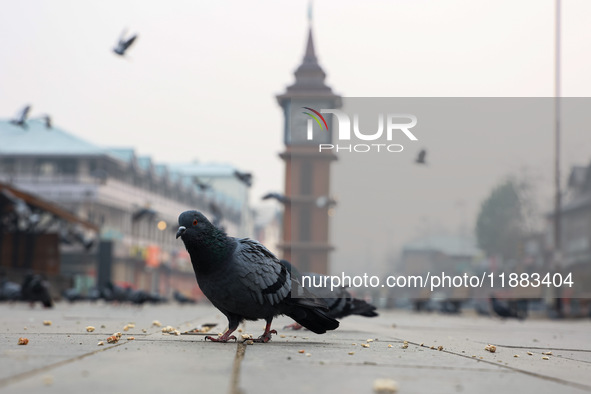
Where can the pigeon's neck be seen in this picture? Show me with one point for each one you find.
(212, 252)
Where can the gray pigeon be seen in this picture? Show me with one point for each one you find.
(244, 177)
(244, 280)
(340, 302)
(421, 157)
(277, 196)
(21, 118)
(124, 43)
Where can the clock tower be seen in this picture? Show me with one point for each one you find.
(305, 240)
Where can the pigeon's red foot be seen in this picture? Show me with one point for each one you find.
(266, 337)
(294, 326)
(224, 338)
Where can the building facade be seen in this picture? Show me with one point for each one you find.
(134, 202)
(307, 173)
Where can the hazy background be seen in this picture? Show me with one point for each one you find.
(199, 83)
(386, 200)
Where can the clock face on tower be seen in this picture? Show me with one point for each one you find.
(298, 121)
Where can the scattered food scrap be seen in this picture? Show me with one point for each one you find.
(385, 386)
(23, 341)
(89, 329)
(490, 348)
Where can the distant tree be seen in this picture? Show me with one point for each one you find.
(500, 223)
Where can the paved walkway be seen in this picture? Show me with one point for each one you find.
(64, 358)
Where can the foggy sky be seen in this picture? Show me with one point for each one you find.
(199, 83)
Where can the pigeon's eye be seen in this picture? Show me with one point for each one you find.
(195, 222)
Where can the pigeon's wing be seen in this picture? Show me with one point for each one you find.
(22, 114)
(25, 112)
(127, 44)
(260, 271)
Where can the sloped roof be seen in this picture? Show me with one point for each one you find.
(37, 139)
(204, 170)
(126, 155)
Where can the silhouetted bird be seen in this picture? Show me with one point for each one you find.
(183, 299)
(45, 119)
(35, 288)
(139, 297)
(9, 291)
(72, 295)
(201, 185)
(244, 177)
(421, 157)
(277, 196)
(244, 280)
(509, 308)
(21, 118)
(124, 43)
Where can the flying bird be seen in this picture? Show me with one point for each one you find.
(21, 118)
(277, 196)
(47, 120)
(244, 177)
(124, 43)
(183, 299)
(340, 302)
(245, 281)
(421, 157)
(201, 185)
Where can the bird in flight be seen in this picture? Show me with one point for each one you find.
(21, 118)
(421, 157)
(277, 196)
(124, 43)
(46, 119)
(244, 177)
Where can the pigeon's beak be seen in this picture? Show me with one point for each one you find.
(181, 231)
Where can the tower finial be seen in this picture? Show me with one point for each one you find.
(310, 4)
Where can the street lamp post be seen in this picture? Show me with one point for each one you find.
(557, 197)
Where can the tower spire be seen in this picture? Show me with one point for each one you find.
(309, 76)
(310, 55)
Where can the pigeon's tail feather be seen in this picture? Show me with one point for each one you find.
(314, 319)
(310, 313)
(362, 308)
